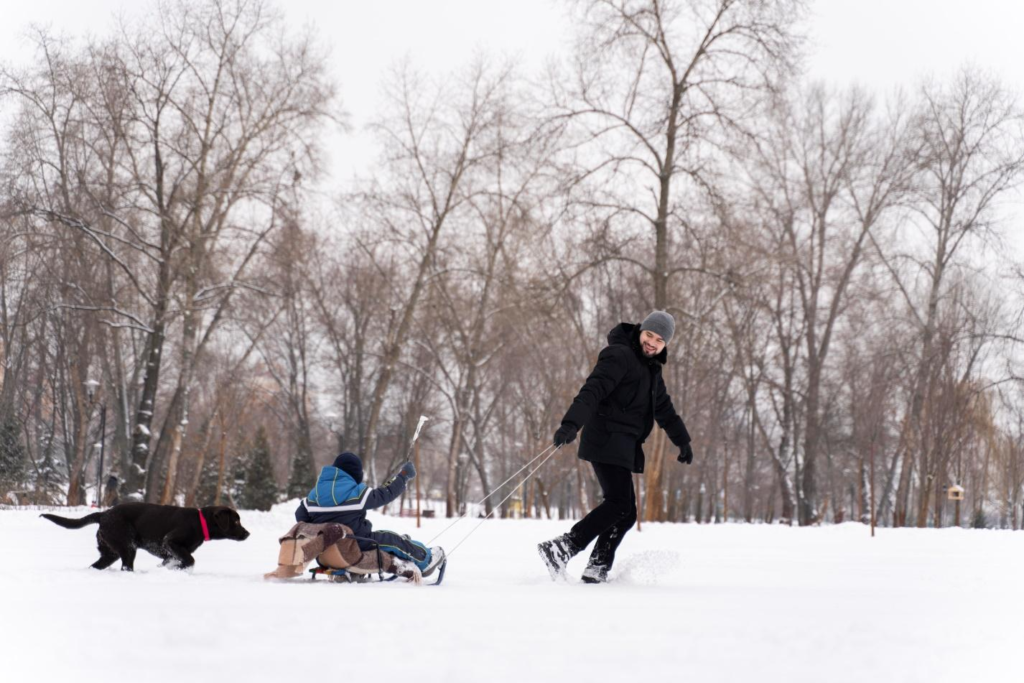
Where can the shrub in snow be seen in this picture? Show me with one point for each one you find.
(258, 490)
(12, 455)
(302, 475)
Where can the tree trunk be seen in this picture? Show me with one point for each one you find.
(80, 422)
(654, 480)
(135, 479)
(453, 463)
(544, 498)
(221, 461)
(197, 477)
(748, 479)
(809, 512)
(188, 360)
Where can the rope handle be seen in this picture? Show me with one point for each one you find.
(498, 488)
(452, 551)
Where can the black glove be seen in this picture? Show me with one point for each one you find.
(685, 455)
(565, 434)
(408, 471)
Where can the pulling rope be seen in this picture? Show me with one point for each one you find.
(496, 489)
(516, 488)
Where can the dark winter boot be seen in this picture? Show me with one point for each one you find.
(556, 553)
(595, 573)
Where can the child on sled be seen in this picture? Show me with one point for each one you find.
(340, 496)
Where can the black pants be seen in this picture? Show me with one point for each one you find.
(610, 520)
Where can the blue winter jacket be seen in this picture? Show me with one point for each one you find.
(337, 498)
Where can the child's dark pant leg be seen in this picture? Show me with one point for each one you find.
(403, 547)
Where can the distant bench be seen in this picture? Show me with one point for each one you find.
(412, 513)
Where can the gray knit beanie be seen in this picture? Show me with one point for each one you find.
(661, 324)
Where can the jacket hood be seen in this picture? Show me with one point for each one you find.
(628, 334)
(333, 487)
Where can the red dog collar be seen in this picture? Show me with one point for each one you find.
(206, 529)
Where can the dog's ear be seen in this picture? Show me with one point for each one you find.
(225, 518)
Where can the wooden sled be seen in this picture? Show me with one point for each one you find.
(342, 561)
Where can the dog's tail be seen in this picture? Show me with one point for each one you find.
(68, 523)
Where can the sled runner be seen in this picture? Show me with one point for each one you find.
(350, 575)
(339, 558)
(373, 562)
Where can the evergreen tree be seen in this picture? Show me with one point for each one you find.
(302, 475)
(12, 455)
(237, 476)
(980, 520)
(51, 474)
(206, 493)
(259, 490)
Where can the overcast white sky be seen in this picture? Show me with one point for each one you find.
(877, 43)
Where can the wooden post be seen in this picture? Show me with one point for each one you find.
(871, 494)
(639, 499)
(725, 488)
(416, 459)
(416, 463)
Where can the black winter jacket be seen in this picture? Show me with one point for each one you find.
(619, 402)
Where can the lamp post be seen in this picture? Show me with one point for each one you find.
(90, 388)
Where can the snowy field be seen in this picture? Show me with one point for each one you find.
(684, 603)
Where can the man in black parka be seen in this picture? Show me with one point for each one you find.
(616, 408)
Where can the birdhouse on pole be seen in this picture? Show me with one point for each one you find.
(956, 492)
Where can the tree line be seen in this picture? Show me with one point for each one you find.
(848, 312)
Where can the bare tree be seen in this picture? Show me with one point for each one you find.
(652, 83)
(434, 138)
(969, 137)
(834, 173)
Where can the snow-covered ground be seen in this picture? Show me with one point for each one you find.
(685, 603)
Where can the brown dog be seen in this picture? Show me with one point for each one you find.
(171, 533)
